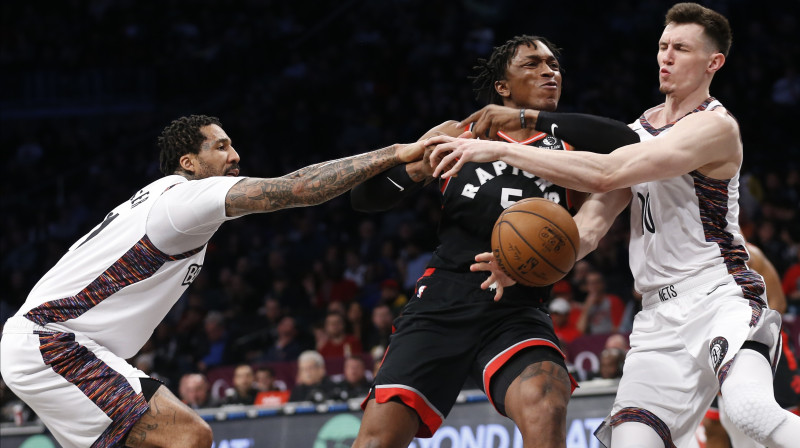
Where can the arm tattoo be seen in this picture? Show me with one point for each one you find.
(311, 185)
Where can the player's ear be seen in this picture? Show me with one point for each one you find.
(716, 62)
(501, 87)
(187, 162)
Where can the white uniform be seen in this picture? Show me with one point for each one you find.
(64, 351)
(700, 301)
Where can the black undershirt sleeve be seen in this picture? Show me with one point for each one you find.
(384, 190)
(587, 132)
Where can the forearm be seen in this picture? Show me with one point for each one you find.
(586, 132)
(308, 186)
(576, 170)
(386, 189)
(596, 217)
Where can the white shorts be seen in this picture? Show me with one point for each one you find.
(682, 345)
(83, 393)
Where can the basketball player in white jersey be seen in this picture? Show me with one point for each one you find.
(704, 323)
(64, 351)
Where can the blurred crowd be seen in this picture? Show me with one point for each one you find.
(90, 84)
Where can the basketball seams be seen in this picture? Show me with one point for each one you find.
(539, 254)
(566, 236)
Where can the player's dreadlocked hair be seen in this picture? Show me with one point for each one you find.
(181, 137)
(488, 72)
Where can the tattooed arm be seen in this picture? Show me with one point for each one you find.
(317, 183)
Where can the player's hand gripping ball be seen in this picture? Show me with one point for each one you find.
(535, 242)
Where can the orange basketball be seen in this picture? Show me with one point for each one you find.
(535, 242)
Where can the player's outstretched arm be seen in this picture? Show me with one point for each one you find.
(587, 132)
(705, 141)
(387, 189)
(316, 183)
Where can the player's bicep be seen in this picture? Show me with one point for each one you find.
(254, 195)
(596, 216)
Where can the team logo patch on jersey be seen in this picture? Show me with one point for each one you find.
(718, 350)
(191, 274)
(549, 141)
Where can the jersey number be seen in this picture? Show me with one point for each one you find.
(647, 215)
(507, 193)
(110, 217)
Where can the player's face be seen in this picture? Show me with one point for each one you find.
(216, 157)
(533, 79)
(685, 59)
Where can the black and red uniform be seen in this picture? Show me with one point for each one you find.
(451, 329)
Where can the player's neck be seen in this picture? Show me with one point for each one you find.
(677, 106)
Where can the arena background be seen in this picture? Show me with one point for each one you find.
(88, 85)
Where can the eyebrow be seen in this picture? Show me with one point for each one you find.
(536, 58)
(216, 142)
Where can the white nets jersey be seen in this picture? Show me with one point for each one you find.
(116, 283)
(684, 225)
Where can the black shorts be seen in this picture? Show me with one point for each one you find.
(451, 330)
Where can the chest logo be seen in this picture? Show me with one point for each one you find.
(191, 274)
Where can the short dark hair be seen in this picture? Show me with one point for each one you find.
(181, 137)
(716, 26)
(494, 69)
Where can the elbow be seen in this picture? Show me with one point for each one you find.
(602, 182)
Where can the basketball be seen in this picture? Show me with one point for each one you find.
(535, 242)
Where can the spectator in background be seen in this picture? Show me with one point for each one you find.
(377, 353)
(618, 341)
(215, 343)
(243, 390)
(313, 383)
(357, 324)
(354, 382)
(287, 347)
(602, 311)
(577, 280)
(413, 263)
(611, 362)
(266, 381)
(354, 270)
(565, 328)
(790, 283)
(333, 342)
(194, 390)
(392, 295)
(381, 327)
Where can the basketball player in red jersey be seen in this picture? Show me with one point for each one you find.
(451, 329)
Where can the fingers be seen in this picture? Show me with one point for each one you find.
(442, 157)
(438, 140)
(484, 257)
(454, 168)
